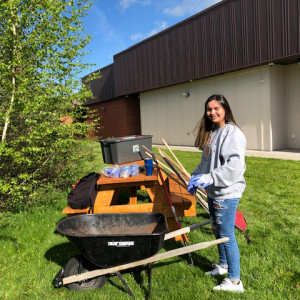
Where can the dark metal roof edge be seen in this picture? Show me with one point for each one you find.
(101, 69)
(106, 67)
(106, 100)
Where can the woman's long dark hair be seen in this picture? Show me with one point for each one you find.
(205, 125)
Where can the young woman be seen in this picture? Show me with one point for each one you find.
(220, 173)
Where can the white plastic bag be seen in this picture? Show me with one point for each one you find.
(113, 171)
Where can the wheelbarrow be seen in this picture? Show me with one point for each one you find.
(110, 243)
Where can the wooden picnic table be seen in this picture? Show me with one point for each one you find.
(109, 190)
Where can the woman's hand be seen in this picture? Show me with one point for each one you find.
(191, 189)
(201, 180)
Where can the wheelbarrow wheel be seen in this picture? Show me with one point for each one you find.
(78, 265)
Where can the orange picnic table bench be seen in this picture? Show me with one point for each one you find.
(109, 190)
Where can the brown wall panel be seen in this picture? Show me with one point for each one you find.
(103, 88)
(119, 117)
(292, 28)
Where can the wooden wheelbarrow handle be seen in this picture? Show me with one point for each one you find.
(185, 230)
(157, 257)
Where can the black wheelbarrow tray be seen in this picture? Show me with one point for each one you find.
(110, 243)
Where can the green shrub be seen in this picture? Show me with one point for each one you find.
(41, 51)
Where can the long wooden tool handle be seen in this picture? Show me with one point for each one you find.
(185, 230)
(173, 154)
(164, 154)
(157, 257)
(183, 170)
(168, 197)
(173, 168)
(202, 202)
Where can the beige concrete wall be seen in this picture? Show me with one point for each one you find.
(293, 106)
(278, 107)
(166, 113)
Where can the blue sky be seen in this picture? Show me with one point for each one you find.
(118, 24)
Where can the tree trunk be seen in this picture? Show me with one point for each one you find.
(12, 99)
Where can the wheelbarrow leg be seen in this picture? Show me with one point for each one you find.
(57, 281)
(149, 272)
(125, 284)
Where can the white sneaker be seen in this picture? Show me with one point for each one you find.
(227, 285)
(218, 270)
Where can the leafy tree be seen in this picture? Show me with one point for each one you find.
(41, 52)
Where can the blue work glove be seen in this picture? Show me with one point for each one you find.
(191, 188)
(202, 180)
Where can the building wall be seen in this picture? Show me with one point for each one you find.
(293, 106)
(265, 102)
(278, 107)
(231, 35)
(167, 114)
(118, 117)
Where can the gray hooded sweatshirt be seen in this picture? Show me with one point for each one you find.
(223, 159)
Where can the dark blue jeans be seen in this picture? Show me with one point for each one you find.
(222, 215)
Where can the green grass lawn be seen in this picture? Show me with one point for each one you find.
(31, 252)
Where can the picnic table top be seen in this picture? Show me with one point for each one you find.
(103, 180)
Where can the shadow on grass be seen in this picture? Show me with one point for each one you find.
(61, 254)
(137, 275)
(8, 238)
(200, 261)
(296, 278)
(204, 215)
